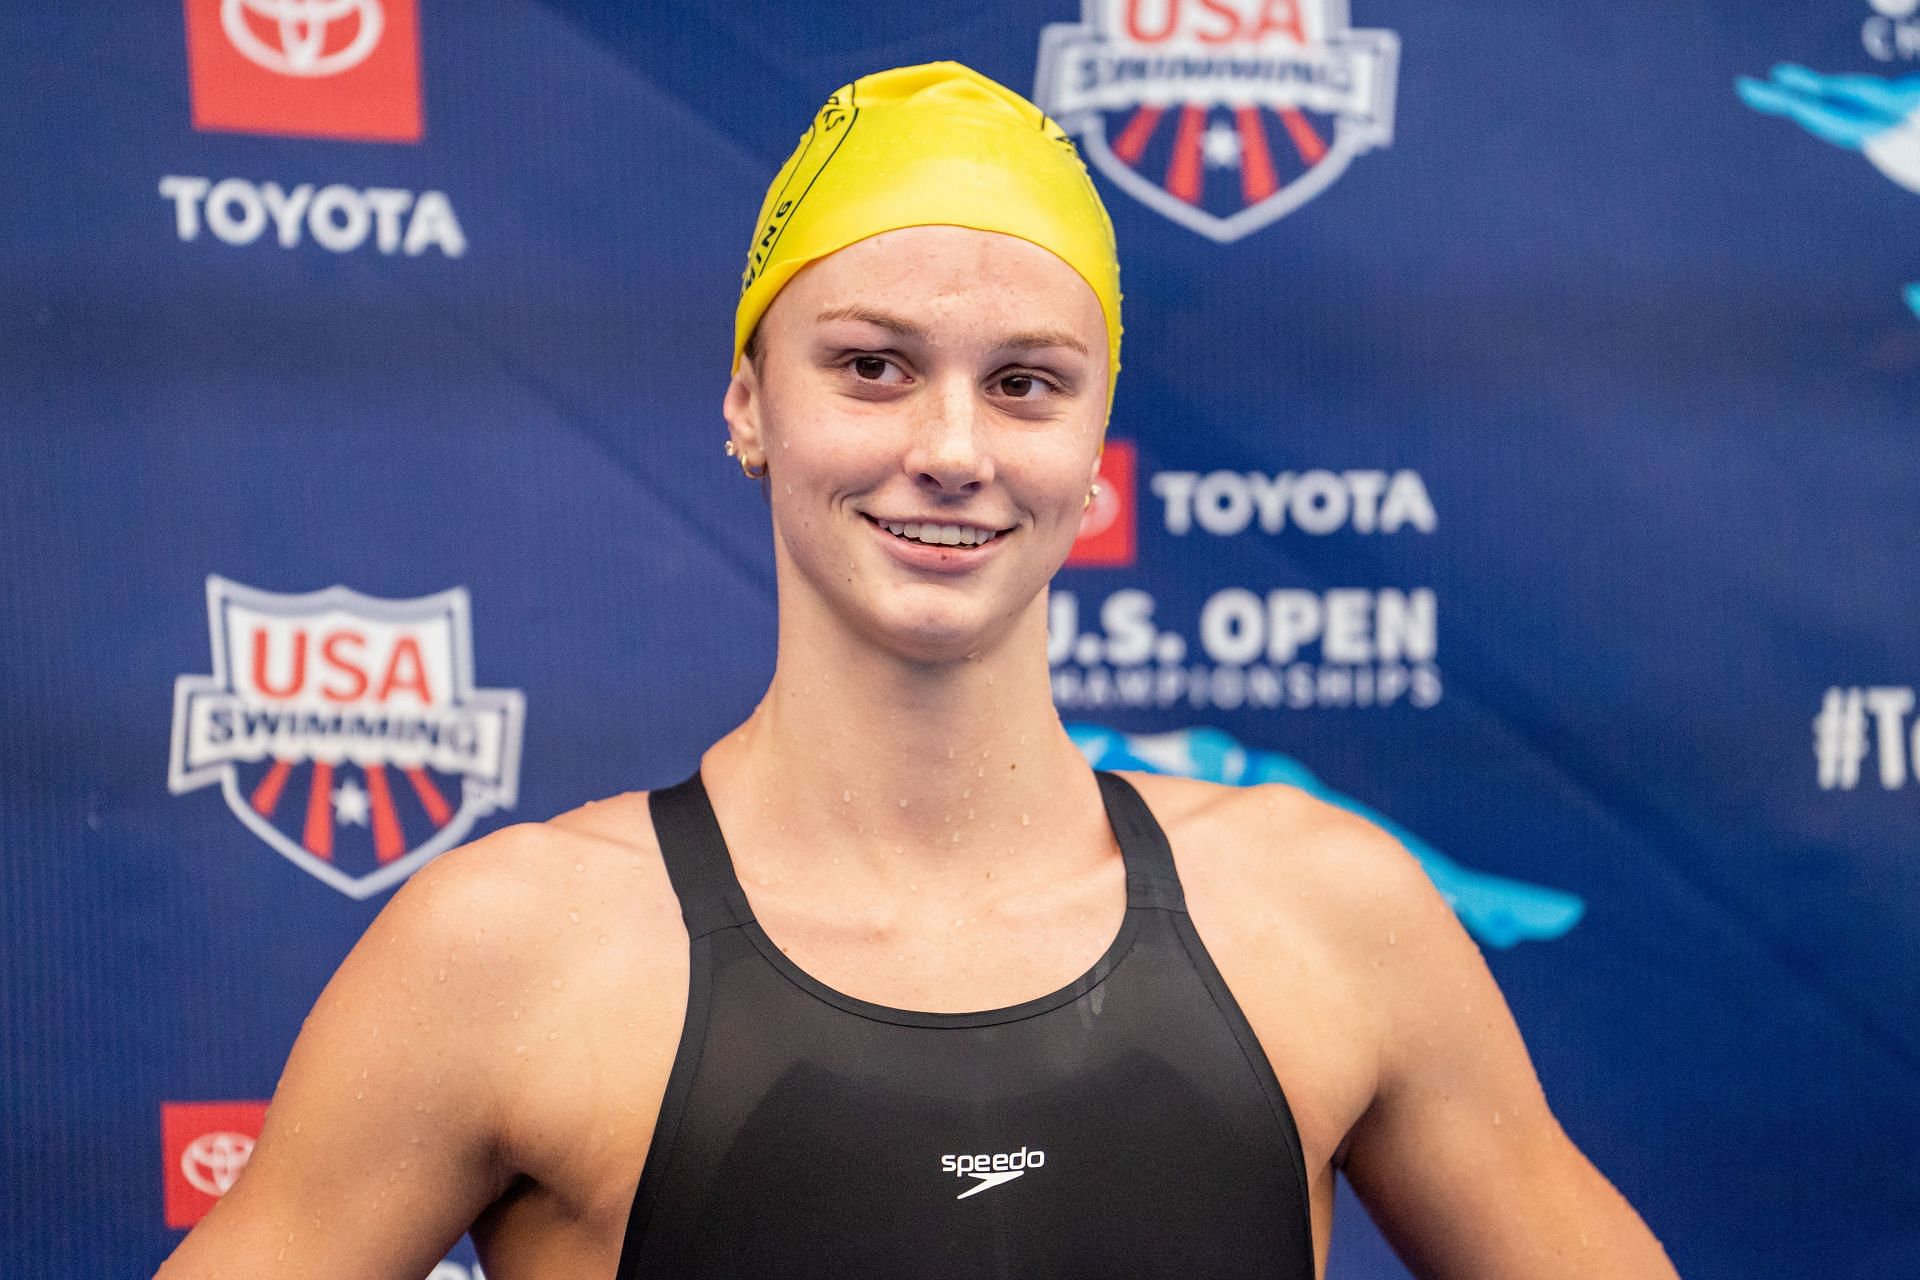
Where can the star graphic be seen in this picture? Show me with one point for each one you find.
(1220, 144)
(350, 804)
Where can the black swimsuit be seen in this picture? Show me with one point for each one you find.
(1125, 1126)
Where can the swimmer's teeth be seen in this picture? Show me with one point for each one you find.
(941, 535)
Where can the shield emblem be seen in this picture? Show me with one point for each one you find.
(1223, 115)
(344, 730)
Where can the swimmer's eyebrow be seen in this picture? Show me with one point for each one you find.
(1044, 338)
(867, 315)
(907, 329)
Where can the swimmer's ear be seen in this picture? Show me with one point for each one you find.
(741, 408)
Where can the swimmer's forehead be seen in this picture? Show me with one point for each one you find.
(894, 281)
(866, 313)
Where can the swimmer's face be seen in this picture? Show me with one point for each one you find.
(926, 376)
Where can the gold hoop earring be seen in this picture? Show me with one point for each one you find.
(745, 470)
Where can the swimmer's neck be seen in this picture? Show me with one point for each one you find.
(847, 731)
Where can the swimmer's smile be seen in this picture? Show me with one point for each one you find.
(939, 545)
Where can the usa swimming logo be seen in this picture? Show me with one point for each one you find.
(345, 730)
(1278, 96)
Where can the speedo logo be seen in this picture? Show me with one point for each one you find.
(991, 1170)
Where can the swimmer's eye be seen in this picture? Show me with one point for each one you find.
(868, 368)
(1026, 385)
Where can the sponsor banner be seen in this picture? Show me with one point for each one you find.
(1246, 646)
(344, 730)
(345, 69)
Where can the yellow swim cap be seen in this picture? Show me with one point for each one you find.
(937, 144)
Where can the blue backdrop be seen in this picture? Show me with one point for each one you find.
(1516, 442)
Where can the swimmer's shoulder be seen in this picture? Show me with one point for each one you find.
(1276, 851)
(535, 890)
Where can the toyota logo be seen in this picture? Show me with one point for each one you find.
(291, 36)
(213, 1161)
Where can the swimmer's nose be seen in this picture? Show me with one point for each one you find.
(950, 451)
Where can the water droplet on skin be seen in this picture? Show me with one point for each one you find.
(359, 1094)
(579, 866)
(558, 983)
(846, 795)
(296, 1126)
(443, 975)
(1392, 939)
(1496, 1117)
(903, 802)
(956, 837)
(364, 1071)
(979, 773)
(282, 1254)
(553, 1035)
(574, 916)
(949, 753)
(1025, 820)
(519, 1048)
(602, 939)
(516, 1013)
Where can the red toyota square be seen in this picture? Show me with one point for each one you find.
(203, 1146)
(1106, 536)
(309, 68)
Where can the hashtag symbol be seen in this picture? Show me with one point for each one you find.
(1840, 739)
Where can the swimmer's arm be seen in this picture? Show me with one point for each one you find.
(382, 1141)
(1458, 1158)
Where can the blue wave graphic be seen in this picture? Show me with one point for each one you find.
(1496, 910)
(1854, 112)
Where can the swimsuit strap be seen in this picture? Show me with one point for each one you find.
(1152, 880)
(696, 856)
(710, 896)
